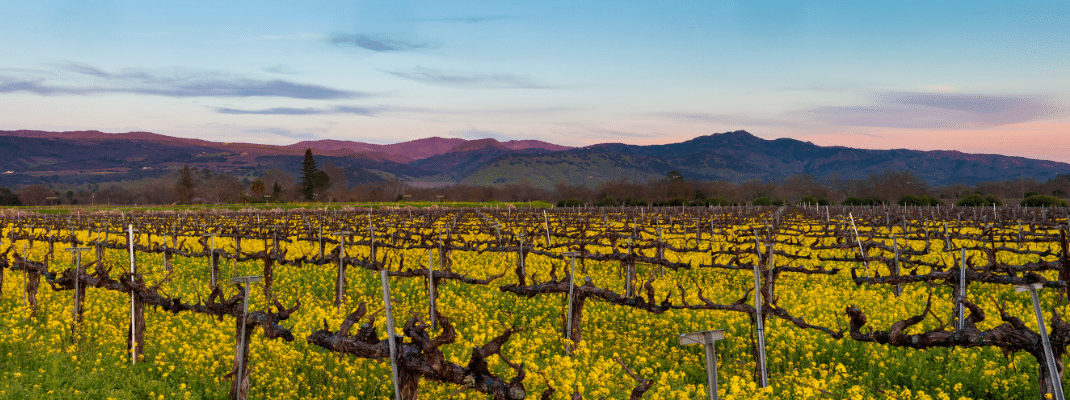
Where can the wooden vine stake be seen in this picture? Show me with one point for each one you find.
(239, 387)
(384, 275)
(3, 266)
(629, 282)
(432, 292)
(571, 292)
(79, 290)
(214, 260)
(340, 279)
(960, 294)
(520, 272)
(168, 253)
(895, 249)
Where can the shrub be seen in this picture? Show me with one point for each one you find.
(570, 203)
(858, 201)
(977, 200)
(1042, 200)
(635, 202)
(762, 201)
(676, 202)
(606, 202)
(717, 201)
(923, 200)
(810, 200)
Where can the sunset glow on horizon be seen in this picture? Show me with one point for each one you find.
(987, 77)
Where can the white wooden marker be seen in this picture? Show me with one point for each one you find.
(859, 240)
(133, 303)
(211, 259)
(547, 219)
(1048, 356)
(706, 339)
(759, 324)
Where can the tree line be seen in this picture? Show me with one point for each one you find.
(192, 185)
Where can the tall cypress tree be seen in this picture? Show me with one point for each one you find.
(184, 187)
(308, 175)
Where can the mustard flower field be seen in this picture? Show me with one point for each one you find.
(693, 270)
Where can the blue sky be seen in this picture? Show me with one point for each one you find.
(969, 76)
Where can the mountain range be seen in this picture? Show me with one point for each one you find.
(62, 159)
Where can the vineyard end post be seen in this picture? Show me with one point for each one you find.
(134, 331)
(706, 339)
(1049, 357)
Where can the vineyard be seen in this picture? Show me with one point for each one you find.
(815, 303)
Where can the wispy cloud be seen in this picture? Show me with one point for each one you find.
(475, 134)
(280, 69)
(916, 110)
(378, 42)
(175, 83)
(300, 111)
(615, 134)
(287, 133)
(741, 120)
(271, 111)
(468, 20)
(485, 81)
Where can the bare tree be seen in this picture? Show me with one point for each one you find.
(35, 195)
(157, 191)
(221, 188)
(115, 194)
(284, 179)
(339, 182)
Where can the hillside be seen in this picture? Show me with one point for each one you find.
(74, 158)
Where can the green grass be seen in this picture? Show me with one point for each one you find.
(67, 209)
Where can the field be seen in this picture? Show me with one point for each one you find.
(694, 271)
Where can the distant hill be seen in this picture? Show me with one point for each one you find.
(73, 158)
(418, 149)
(739, 156)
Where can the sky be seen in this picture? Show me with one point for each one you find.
(979, 77)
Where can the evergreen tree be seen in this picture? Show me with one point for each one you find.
(276, 192)
(308, 175)
(184, 187)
